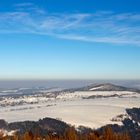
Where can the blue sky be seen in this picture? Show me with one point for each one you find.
(70, 39)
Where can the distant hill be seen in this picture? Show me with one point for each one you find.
(104, 87)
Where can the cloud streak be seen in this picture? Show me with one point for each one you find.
(23, 4)
(101, 27)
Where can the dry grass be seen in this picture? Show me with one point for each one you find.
(71, 134)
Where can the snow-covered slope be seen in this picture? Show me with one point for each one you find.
(96, 94)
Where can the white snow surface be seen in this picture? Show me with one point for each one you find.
(95, 88)
(71, 107)
(7, 133)
(82, 94)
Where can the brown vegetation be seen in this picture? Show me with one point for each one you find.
(71, 134)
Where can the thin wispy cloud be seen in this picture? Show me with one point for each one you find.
(102, 26)
(28, 7)
(113, 40)
(23, 4)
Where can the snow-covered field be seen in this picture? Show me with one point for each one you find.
(84, 94)
(70, 107)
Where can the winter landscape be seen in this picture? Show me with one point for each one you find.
(70, 70)
(92, 106)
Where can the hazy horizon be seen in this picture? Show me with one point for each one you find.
(64, 83)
